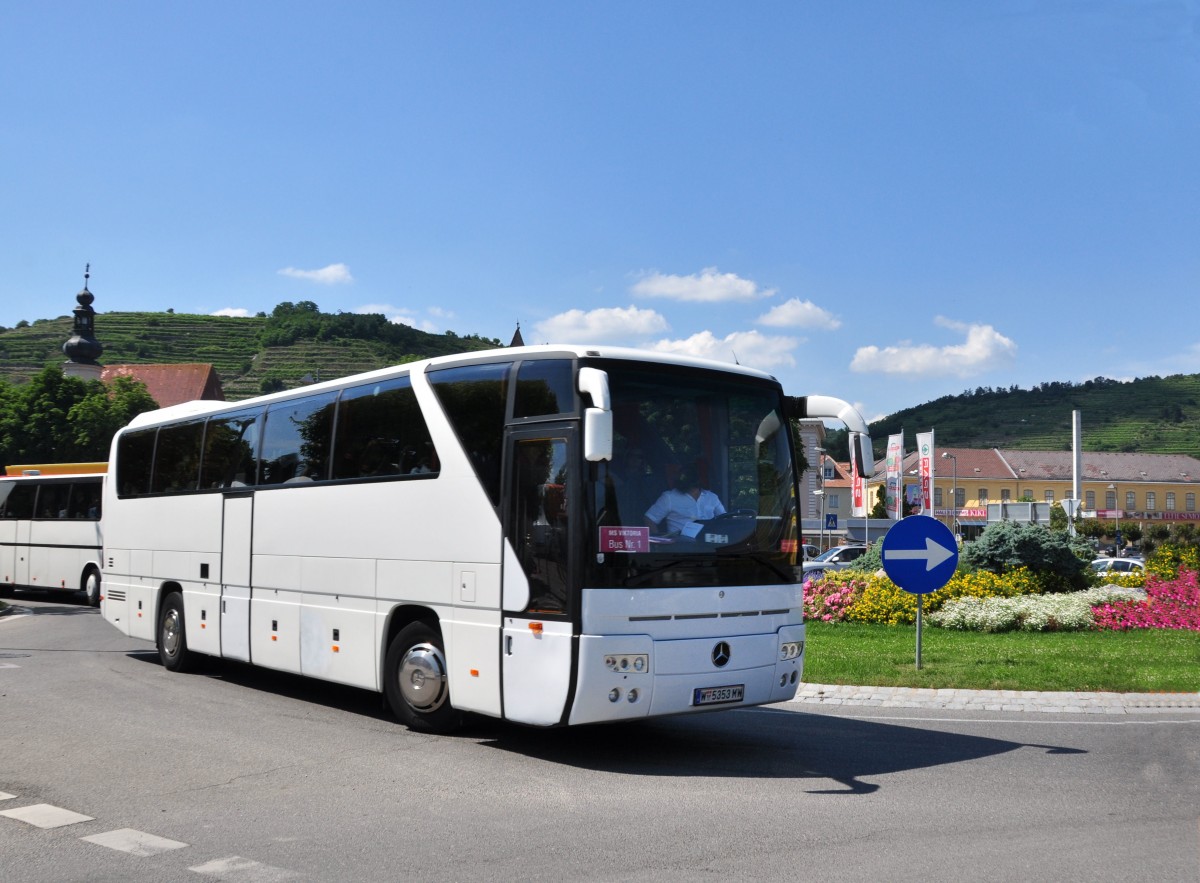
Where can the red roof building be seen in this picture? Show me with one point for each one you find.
(171, 384)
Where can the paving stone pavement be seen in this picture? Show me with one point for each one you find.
(997, 700)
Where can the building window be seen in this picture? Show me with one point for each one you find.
(1130, 500)
(1049, 496)
(1189, 501)
(830, 472)
(832, 502)
(937, 497)
(1170, 501)
(1089, 500)
(983, 496)
(1151, 501)
(1005, 495)
(1110, 499)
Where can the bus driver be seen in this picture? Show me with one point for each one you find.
(685, 504)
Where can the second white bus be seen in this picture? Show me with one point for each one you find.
(471, 533)
(50, 533)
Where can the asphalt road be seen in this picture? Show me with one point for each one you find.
(246, 775)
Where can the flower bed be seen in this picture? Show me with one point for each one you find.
(1067, 611)
(1169, 604)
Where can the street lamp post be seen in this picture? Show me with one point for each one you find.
(946, 455)
(1116, 519)
(820, 492)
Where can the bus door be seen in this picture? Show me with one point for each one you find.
(236, 532)
(540, 505)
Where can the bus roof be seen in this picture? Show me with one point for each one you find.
(202, 408)
(20, 469)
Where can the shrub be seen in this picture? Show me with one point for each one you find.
(1059, 561)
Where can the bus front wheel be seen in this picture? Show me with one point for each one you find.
(172, 636)
(416, 682)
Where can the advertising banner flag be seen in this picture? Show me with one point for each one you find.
(858, 503)
(925, 470)
(894, 476)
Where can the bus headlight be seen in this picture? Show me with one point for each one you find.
(637, 663)
(791, 650)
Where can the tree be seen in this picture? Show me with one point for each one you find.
(58, 419)
(104, 411)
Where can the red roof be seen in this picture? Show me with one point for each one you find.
(172, 384)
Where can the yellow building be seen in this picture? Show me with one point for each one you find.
(1140, 488)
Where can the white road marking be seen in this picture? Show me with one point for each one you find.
(137, 843)
(43, 815)
(243, 870)
(4, 795)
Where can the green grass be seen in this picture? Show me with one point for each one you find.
(1137, 661)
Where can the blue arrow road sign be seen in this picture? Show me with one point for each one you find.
(919, 554)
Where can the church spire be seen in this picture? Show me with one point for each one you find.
(82, 349)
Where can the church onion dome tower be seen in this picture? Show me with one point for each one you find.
(82, 349)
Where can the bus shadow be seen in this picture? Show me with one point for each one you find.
(342, 697)
(57, 606)
(755, 743)
(758, 744)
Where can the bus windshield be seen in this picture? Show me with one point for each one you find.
(700, 490)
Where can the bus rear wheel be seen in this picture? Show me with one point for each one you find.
(416, 681)
(91, 588)
(172, 636)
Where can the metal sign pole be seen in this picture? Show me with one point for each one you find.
(920, 606)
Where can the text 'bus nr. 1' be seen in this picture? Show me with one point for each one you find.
(551, 535)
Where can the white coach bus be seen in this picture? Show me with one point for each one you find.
(50, 533)
(471, 533)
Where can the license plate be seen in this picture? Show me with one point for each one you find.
(717, 695)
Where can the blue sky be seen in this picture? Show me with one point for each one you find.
(882, 201)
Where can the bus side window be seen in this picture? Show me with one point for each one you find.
(297, 440)
(177, 461)
(381, 431)
(474, 398)
(52, 500)
(135, 456)
(20, 502)
(230, 451)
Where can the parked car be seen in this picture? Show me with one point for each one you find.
(832, 559)
(1109, 567)
(810, 551)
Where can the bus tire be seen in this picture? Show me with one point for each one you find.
(172, 636)
(91, 587)
(416, 681)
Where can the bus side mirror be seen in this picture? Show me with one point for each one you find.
(597, 435)
(598, 419)
(860, 443)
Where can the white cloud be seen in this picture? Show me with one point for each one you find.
(334, 274)
(609, 323)
(984, 348)
(750, 348)
(798, 313)
(232, 311)
(710, 285)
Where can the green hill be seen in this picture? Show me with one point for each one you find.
(295, 345)
(1153, 415)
